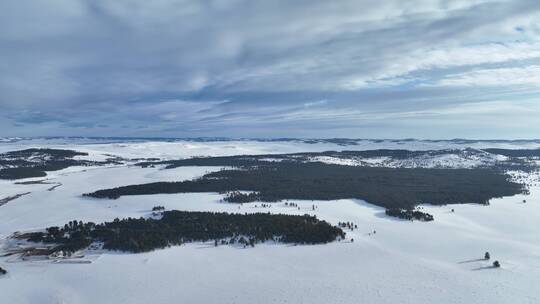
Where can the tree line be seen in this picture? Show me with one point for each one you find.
(36, 162)
(409, 214)
(179, 227)
(402, 188)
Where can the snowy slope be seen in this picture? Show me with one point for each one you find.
(460, 158)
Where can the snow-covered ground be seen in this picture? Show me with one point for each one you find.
(456, 154)
(463, 158)
(185, 148)
(404, 262)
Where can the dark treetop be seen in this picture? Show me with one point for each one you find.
(387, 187)
(177, 227)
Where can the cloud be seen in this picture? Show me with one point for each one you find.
(522, 76)
(241, 67)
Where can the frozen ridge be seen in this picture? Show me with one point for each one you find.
(466, 158)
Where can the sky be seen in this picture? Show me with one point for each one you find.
(245, 68)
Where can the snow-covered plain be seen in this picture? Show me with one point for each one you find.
(404, 262)
(177, 148)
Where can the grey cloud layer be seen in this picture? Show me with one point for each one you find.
(269, 68)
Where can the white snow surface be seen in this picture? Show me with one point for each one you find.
(404, 262)
(468, 157)
(451, 160)
(187, 148)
